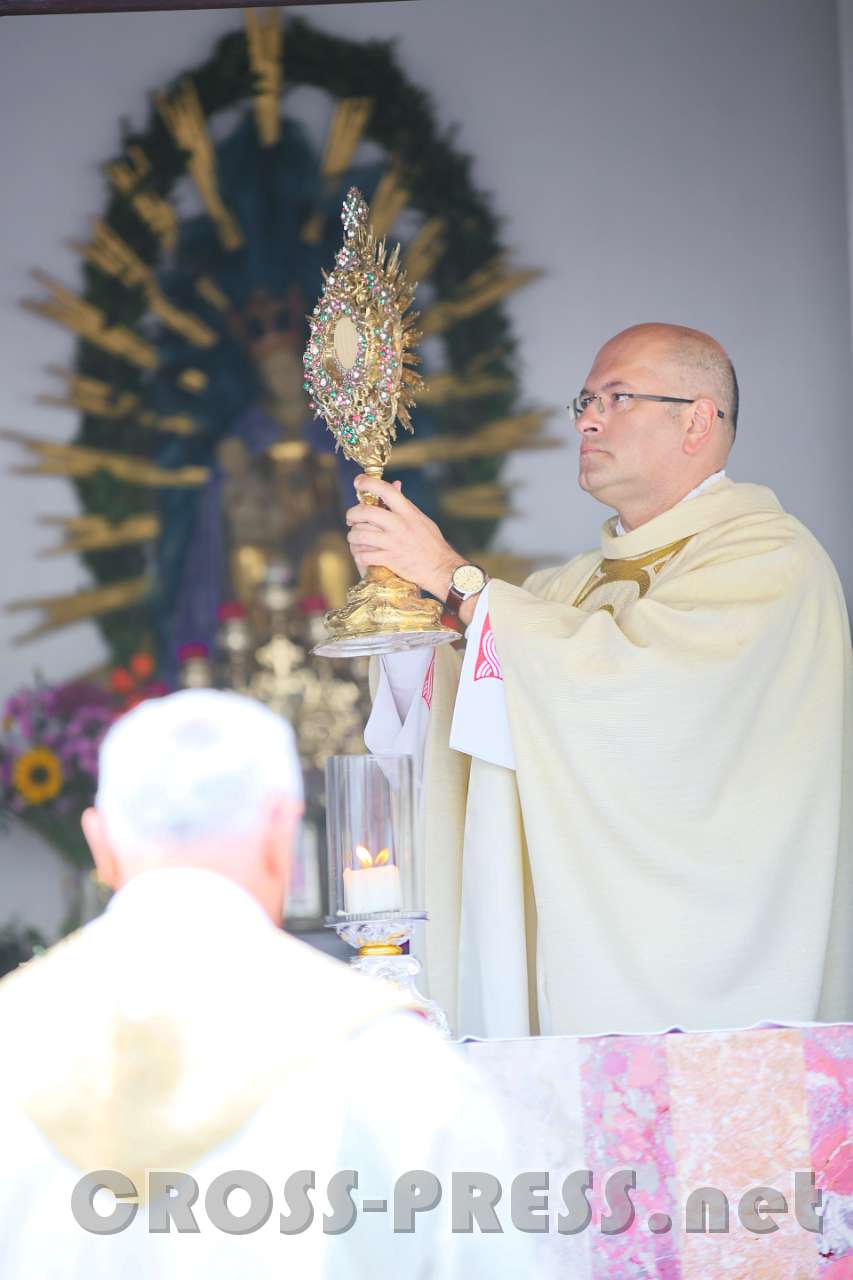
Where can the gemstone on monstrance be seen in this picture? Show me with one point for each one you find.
(354, 211)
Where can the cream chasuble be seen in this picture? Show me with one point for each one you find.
(674, 844)
(182, 1032)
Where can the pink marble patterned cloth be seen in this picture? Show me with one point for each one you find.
(730, 1110)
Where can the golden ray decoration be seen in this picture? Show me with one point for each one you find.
(346, 128)
(94, 397)
(505, 435)
(425, 249)
(264, 41)
(184, 323)
(80, 461)
(477, 502)
(442, 388)
(389, 200)
(90, 323)
(153, 209)
(312, 230)
(184, 118)
(210, 291)
(60, 611)
(192, 380)
(289, 450)
(90, 395)
(481, 290)
(345, 132)
(95, 533)
(111, 254)
(178, 424)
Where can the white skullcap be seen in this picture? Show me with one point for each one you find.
(195, 765)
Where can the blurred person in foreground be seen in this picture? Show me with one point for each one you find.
(637, 787)
(184, 1031)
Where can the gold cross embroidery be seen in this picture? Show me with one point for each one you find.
(640, 569)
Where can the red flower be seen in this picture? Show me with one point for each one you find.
(121, 680)
(195, 649)
(142, 665)
(230, 609)
(312, 604)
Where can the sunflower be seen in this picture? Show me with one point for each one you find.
(37, 775)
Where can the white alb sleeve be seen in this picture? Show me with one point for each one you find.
(399, 719)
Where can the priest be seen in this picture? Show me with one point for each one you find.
(636, 786)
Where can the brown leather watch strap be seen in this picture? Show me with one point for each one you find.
(453, 603)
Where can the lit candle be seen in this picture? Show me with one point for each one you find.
(374, 886)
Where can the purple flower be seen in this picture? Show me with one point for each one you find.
(26, 724)
(90, 722)
(90, 765)
(29, 712)
(12, 706)
(80, 695)
(71, 748)
(45, 698)
(79, 754)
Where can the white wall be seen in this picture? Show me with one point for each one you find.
(662, 160)
(845, 48)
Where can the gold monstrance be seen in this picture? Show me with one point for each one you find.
(359, 377)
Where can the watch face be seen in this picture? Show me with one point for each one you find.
(468, 578)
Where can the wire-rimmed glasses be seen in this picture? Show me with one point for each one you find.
(621, 401)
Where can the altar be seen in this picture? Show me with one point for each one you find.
(714, 1126)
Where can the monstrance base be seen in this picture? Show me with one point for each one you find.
(383, 614)
(383, 642)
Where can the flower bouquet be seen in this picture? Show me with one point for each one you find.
(49, 751)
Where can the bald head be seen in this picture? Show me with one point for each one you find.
(660, 419)
(698, 363)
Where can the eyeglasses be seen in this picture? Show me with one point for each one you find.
(620, 402)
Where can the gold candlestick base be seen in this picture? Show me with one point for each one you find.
(383, 614)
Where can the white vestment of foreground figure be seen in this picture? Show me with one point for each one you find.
(183, 1032)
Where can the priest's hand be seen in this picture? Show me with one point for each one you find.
(399, 536)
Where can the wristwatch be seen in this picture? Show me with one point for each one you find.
(467, 580)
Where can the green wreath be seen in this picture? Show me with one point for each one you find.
(163, 371)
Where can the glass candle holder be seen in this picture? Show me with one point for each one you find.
(370, 833)
(374, 886)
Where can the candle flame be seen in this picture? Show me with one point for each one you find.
(366, 858)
